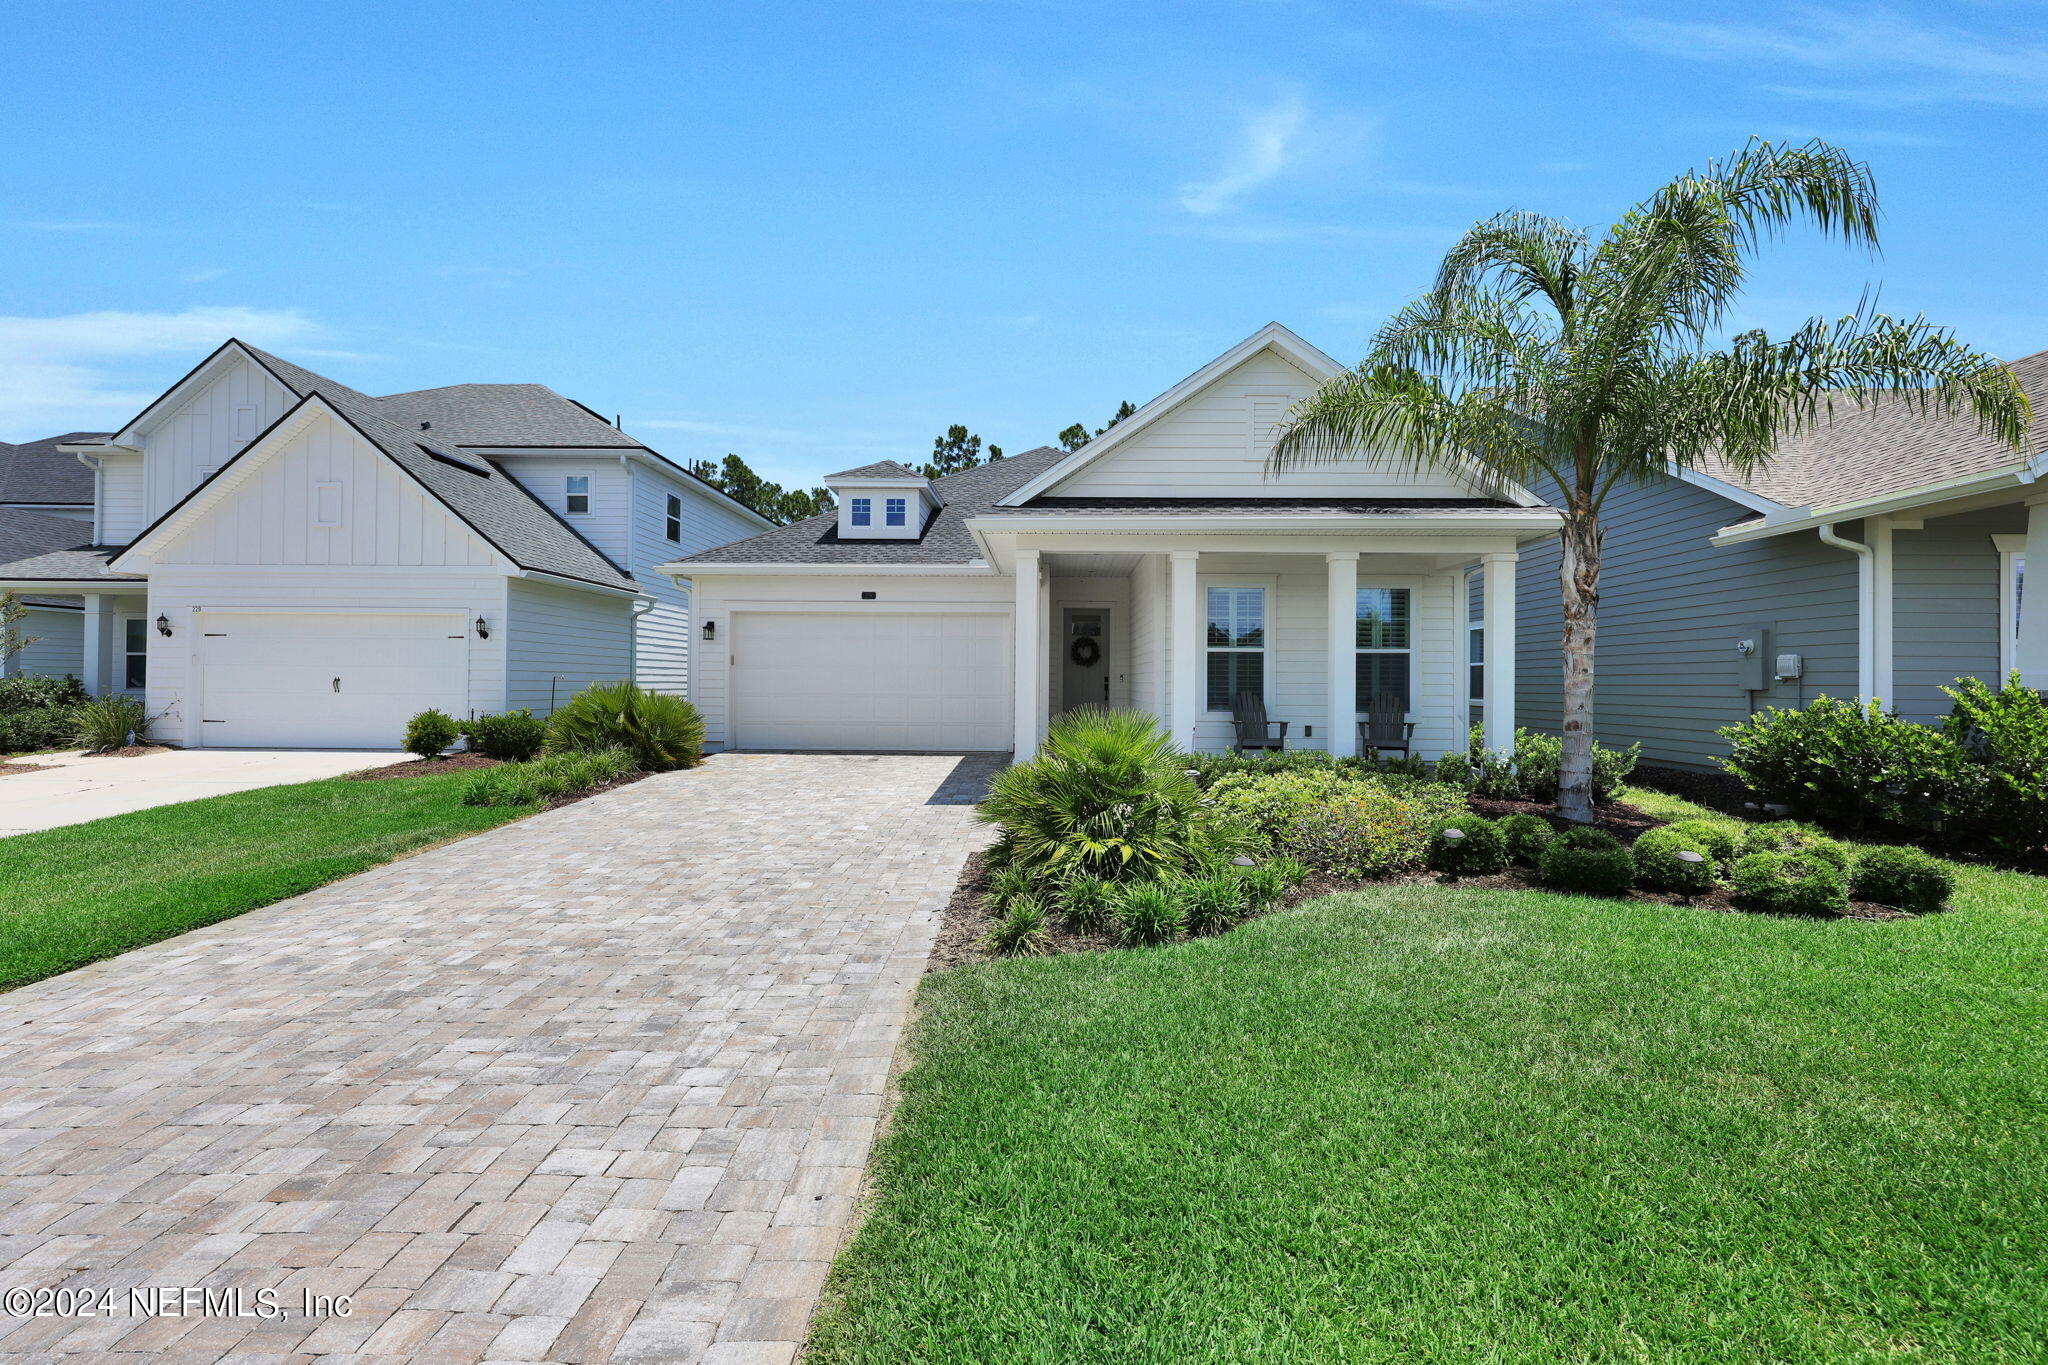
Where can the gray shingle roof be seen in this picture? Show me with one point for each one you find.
(36, 471)
(880, 469)
(502, 415)
(37, 545)
(945, 539)
(1889, 446)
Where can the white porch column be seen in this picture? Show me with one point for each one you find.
(2031, 652)
(1029, 648)
(1190, 678)
(98, 621)
(1498, 641)
(1343, 660)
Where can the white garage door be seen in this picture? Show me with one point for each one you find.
(326, 680)
(804, 681)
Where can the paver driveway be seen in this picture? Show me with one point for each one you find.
(595, 1086)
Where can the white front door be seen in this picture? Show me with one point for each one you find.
(901, 681)
(326, 680)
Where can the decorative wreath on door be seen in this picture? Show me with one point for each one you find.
(1085, 652)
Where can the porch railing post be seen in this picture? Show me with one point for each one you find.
(1343, 659)
(1190, 678)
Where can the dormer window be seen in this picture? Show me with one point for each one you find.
(884, 501)
(893, 513)
(862, 512)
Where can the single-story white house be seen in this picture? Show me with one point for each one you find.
(1160, 567)
(274, 559)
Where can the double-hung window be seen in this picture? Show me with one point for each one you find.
(894, 512)
(1237, 644)
(135, 653)
(1385, 655)
(576, 494)
(861, 512)
(672, 524)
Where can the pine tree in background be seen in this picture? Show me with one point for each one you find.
(734, 478)
(1077, 435)
(958, 449)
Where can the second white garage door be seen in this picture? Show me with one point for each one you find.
(326, 680)
(891, 682)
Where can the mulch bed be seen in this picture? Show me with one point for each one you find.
(6, 768)
(1619, 818)
(422, 767)
(1716, 791)
(130, 751)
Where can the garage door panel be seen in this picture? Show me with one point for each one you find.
(872, 681)
(327, 679)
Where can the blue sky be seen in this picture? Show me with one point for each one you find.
(816, 234)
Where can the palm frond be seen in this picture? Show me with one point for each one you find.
(1522, 254)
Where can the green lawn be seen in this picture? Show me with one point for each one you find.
(74, 895)
(1429, 1124)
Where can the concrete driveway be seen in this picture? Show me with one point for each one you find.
(68, 789)
(595, 1086)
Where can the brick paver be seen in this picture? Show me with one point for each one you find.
(594, 1086)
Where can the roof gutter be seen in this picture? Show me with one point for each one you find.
(1806, 518)
(542, 576)
(1866, 607)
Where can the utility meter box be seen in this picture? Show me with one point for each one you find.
(1751, 648)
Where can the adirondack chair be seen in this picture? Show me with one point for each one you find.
(1254, 731)
(1385, 727)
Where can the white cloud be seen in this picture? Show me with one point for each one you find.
(79, 371)
(1269, 141)
(203, 274)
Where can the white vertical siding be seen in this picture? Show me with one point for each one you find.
(207, 431)
(559, 641)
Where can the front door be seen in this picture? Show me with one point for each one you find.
(1084, 660)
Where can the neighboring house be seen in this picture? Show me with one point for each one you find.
(1158, 567)
(275, 559)
(39, 476)
(45, 505)
(1878, 555)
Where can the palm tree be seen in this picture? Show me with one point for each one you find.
(1546, 357)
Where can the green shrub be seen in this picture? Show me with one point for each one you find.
(30, 693)
(1147, 913)
(32, 730)
(430, 732)
(510, 737)
(110, 722)
(660, 731)
(546, 778)
(1789, 836)
(1479, 851)
(1292, 871)
(1530, 771)
(1210, 905)
(1790, 884)
(1006, 884)
(1904, 878)
(1021, 931)
(1722, 841)
(1846, 764)
(1660, 868)
(1107, 795)
(1263, 885)
(1369, 831)
(1087, 904)
(1525, 836)
(2003, 736)
(1586, 860)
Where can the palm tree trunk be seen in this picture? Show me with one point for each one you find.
(1579, 573)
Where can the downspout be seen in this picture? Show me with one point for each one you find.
(1866, 608)
(641, 606)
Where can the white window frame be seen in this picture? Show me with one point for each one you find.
(2012, 552)
(569, 495)
(672, 517)
(1407, 649)
(123, 654)
(860, 511)
(1270, 586)
(895, 511)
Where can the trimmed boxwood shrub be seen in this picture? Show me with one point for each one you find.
(1904, 878)
(2003, 736)
(1790, 884)
(1148, 913)
(1587, 860)
(430, 732)
(1525, 836)
(510, 737)
(1789, 836)
(1845, 763)
(1659, 867)
(1481, 852)
(1722, 841)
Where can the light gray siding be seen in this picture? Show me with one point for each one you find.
(661, 659)
(58, 648)
(1672, 608)
(560, 640)
(1945, 612)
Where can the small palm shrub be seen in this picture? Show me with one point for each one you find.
(1789, 836)
(1087, 904)
(660, 731)
(430, 732)
(546, 778)
(1525, 836)
(1149, 913)
(1586, 860)
(1211, 904)
(510, 737)
(1904, 878)
(1722, 841)
(110, 722)
(1021, 931)
(1790, 884)
(1660, 868)
(1478, 851)
(1108, 796)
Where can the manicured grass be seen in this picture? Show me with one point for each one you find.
(74, 895)
(1454, 1125)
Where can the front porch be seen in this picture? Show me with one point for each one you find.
(1319, 630)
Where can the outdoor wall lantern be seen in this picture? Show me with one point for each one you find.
(163, 625)
(483, 629)
(711, 630)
